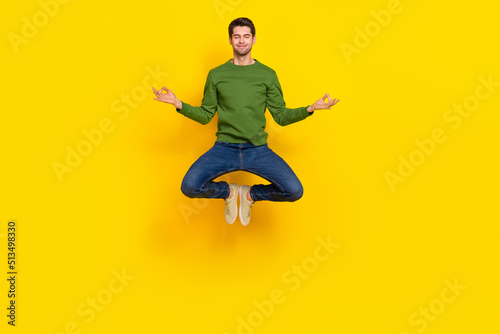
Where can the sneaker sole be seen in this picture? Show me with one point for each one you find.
(240, 208)
(236, 216)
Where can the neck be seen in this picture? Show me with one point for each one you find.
(242, 60)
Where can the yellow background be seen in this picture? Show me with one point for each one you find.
(121, 210)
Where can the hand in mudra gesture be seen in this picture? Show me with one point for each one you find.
(321, 104)
(167, 96)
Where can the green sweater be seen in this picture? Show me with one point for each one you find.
(240, 95)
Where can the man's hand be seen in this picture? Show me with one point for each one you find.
(321, 104)
(167, 97)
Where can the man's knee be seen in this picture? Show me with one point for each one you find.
(189, 188)
(295, 192)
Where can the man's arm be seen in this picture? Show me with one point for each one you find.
(283, 115)
(202, 114)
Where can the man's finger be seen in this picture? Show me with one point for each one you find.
(155, 91)
(330, 102)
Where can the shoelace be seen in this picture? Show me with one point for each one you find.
(228, 210)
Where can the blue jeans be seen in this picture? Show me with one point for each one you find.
(226, 157)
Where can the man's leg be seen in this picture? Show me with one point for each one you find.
(284, 186)
(198, 181)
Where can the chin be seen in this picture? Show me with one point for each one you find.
(242, 53)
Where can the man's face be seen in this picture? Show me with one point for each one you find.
(242, 40)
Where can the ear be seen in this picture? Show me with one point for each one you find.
(230, 41)
(254, 39)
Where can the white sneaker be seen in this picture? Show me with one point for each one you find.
(231, 210)
(245, 206)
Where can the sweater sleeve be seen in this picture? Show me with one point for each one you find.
(204, 113)
(277, 106)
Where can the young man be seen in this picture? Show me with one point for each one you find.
(239, 91)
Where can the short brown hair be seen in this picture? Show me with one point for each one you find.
(241, 22)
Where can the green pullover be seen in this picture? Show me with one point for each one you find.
(240, 95)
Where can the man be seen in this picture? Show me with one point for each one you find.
(239, 91)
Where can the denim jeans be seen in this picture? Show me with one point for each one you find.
(226, 157)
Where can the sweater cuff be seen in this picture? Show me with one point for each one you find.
(307, 114)
(185, 108)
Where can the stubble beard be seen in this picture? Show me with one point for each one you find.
(243, 52)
